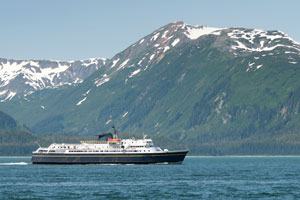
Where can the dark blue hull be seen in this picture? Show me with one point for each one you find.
(121, 158)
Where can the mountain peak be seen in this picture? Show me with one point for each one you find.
(151, 49)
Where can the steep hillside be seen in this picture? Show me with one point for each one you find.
(17, 140)
(217, 90)
(14, 138)
(7, 122)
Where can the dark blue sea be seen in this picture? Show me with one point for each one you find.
(196, 178)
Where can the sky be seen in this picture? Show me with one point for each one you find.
(80, 29)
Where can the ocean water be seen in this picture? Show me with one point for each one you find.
(196, 178)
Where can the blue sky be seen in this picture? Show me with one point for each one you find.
(73, 29)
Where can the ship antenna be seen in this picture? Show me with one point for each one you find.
(36, 142)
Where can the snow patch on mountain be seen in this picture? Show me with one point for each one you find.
(101, 81)
(155, 37)
(87, 92)
(151, 57)
(268, 40)
(9, 96)
(194, 32)
(250, 64)
(165, 34)
(176, 41)
(134, 73)
(124, 115)
(293, 62)
(115, 62)
(142, 40)
(85, 97)
(123, 64)
(91, 61)
(23, 77)
(166, 49)
(241, 46)
(259, 66)
(108, 121)
(140, 62)
(81, 101)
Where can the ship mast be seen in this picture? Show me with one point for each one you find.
(115, 131)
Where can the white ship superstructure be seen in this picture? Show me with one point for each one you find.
(110, 146)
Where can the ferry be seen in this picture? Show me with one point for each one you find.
(108, 149)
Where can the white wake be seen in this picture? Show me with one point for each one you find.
(17, 163)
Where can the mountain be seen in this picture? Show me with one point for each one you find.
(216, 90)
(24, 77)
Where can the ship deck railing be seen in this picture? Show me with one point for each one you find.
(107, 151)
(94, 142)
